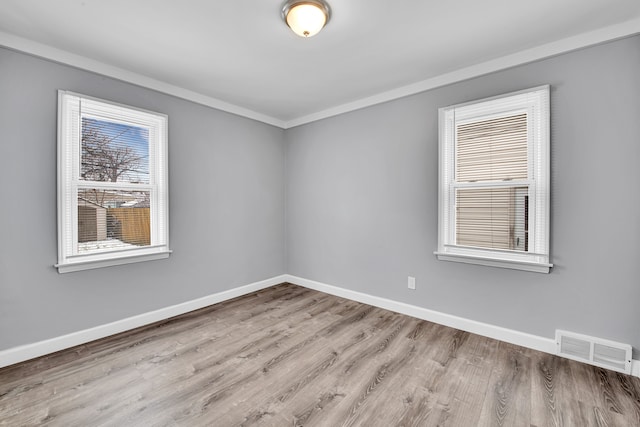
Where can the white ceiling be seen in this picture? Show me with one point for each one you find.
(239, 56)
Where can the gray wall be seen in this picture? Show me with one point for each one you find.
(226, 207)
(362, 202)
(358, 193)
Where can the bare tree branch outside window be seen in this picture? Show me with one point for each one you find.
(114, 152)
(106, 156)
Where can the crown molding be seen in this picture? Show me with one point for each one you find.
(67, 58)
(548, 50)
(591, 38)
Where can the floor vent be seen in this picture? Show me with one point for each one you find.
(595, 351)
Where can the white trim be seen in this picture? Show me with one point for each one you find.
(523, 339)
(64, 57)
(72, 108)
(534, 102)
(30, 351)
(41, 348)
(100, 263)
(602, 35)
(533, 267)
(558, 47)
(534, 342)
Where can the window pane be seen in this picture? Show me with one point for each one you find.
(114, 152)
(112, 219)
(492, 150)
(495, 218)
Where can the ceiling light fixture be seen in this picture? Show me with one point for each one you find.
(306, 17)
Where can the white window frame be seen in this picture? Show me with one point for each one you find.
(71, 108)
(535, 102)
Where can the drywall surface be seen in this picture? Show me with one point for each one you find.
(362, 202)
(226, 197)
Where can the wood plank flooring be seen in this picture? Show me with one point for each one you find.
(289, 356)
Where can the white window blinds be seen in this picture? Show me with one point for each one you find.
(495, 218)
(494, 181)
(112, 180)
(489, 151)
(492, 150)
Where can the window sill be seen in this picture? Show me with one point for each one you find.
(90, 264)
(495, 262)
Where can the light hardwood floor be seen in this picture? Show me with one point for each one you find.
(289, 356)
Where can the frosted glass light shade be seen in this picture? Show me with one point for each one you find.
(306, 18)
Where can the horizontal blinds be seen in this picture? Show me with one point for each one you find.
(487, 151)
(116, 218)
(492, 150)
(495, 218)
(113, 192)
(494, 166)
(113, 219)
(114, 152)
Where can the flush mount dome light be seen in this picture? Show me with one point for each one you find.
(306, 17)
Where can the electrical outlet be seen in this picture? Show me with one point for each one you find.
(411, 282)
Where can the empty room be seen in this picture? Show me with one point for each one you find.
(320, 213)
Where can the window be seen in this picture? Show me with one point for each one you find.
(494, 181)
(112, 184)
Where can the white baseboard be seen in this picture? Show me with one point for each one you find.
(41, 348)
(547, 345)
(535, 342)
(31, 351)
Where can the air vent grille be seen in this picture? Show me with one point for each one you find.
(575, 347)
(595, 351)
